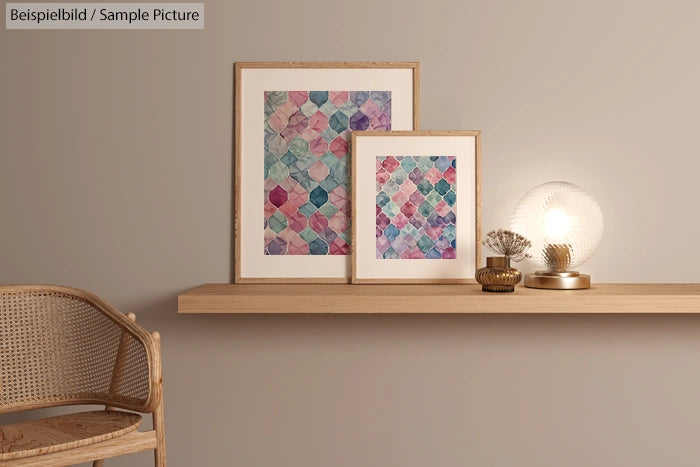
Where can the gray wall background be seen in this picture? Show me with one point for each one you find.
(116, 169)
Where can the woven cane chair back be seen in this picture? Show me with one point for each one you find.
(61, 346)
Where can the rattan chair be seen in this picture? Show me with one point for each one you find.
(61, 346)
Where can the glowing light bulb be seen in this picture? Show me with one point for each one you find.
(556, 225)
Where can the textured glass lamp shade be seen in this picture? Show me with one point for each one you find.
(565, 226)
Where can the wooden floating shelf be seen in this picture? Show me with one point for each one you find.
(347, 298)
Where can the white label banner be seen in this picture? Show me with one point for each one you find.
(104, 16)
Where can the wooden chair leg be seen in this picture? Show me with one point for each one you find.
(159, 427)
(158, 420)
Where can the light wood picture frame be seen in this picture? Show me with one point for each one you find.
(416, 207)
(291, 160)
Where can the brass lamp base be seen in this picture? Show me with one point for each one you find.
(569, 280)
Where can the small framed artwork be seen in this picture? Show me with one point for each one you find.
(416, 206)
(292, 143)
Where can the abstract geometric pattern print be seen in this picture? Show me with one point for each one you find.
(416, 207)
(306, 166)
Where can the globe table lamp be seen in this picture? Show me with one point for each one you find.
(565, 226)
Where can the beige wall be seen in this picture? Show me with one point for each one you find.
(116, 177)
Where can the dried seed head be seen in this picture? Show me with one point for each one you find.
(508, 243)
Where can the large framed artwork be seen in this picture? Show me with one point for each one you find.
(416, 206)
(292, 144)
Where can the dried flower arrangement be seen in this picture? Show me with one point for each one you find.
(509, 244)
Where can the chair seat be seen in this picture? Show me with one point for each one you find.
(47, 435)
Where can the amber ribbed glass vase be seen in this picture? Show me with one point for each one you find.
(498, 276)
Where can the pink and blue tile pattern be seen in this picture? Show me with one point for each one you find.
(306, 166)
(416, 207)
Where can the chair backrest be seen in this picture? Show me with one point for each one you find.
(61, 346)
